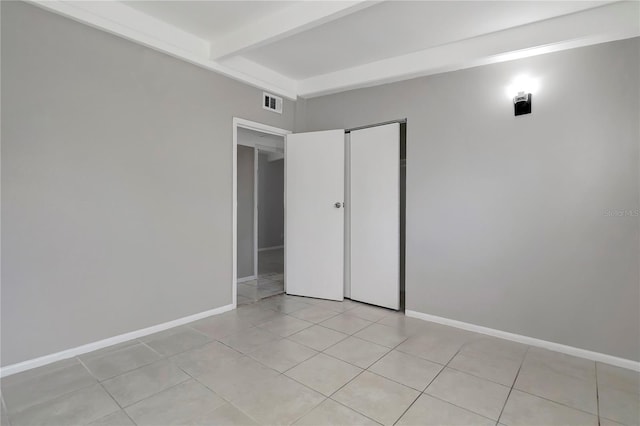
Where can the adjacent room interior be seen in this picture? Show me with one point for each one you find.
(260, 215)
(320, 213)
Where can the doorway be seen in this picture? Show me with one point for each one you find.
(258, 211)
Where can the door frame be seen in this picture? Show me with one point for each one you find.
(263, 128)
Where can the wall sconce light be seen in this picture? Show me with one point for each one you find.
(522, 103)
(522, 87)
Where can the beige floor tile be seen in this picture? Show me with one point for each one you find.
(314, 314)
(357, 351)
(332, 305)
(117, 362)
(176, 340)
(370, 313)
(79, 407)
(119, 418)
(407, 325)
(324, 373)
(492, 367)
(139, 384)
(607, 422)
(492, 346)
(232, 378)
(472, 393)
(346, 324)
(376, 397)
(318, 337)
(109, 349)
(620, 406)
(618, 378)
(406, 369)
(248, 291)
(256, 313)
(557, 362)
(187, 403)
(27, 390)
(382, 335)
(343, 306)
(4, 416)
(199, 361)
(429, 411)
(285, 306)
(241, 300)
(432, 347)
(219, 326)
(47, 370)
(285, 326)
(541, 380)
(248, 340)
(228, 415)
(282, 355)
(330, 413)
(278, 401)
(523, 409)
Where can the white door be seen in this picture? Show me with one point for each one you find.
(314, 214)
(375, 215)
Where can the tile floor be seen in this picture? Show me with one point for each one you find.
(270, 278)
(266, 285)
(291, 360)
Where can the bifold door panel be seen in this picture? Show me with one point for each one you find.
(314, 214)
(375, 215)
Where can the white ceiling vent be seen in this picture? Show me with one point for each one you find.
(271, 102)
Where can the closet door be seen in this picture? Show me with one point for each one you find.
(314, 214)
(375, 215)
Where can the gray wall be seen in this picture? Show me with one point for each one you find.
(116, 184)
(506, 216)
(245, 221)
(270, 202)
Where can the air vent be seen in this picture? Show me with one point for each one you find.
(271, 102)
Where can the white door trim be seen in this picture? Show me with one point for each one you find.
(259, 127)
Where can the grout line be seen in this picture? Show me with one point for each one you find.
(129, 417)
(4, 408)
(430, 382)
(152, 350)
(87, 368)
(513, 384)
(371, 372)
(597, 395)
(111, 396)
(117, 403)
(338, 402)
(556, 402)
(479, 377)
(459, 406)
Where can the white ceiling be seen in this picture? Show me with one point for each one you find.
(207, 19)
(308, 48)
(395, 28)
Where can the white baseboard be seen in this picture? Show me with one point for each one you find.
(245, 279)
(79, 350)
(532, 341)
(270, 248)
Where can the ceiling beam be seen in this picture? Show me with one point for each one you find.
(298, 17)
(612, 22)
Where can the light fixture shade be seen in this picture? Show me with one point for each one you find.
(522, 104)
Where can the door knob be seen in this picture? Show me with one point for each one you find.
(338, 204)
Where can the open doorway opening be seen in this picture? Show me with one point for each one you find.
(259, 214)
